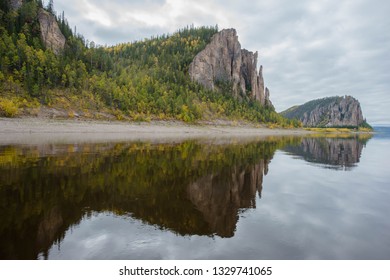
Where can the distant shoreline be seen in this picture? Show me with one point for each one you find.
(43, 130)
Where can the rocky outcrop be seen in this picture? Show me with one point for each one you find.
(267, 101)
(15, 4)
(50, 32)
(224, 62)
(328, 112)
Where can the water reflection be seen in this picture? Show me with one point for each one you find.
(333, 153)
(219, 196)
(189, 188)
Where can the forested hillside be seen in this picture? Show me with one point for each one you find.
(142, 80)
(298, 111)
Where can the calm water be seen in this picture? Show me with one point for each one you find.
(279, 198)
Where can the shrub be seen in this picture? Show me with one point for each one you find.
(8, 108)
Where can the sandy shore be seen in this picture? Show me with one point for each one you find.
(38, 130)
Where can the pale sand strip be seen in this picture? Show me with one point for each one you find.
(38, 130)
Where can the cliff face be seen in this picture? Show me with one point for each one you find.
(223, 61)
(50, 32)
(328, 112)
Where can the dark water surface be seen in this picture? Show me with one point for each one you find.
(275, 198)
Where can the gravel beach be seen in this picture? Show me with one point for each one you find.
(41, 130)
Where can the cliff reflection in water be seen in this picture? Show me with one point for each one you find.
(219, 196)
(191, 188)
(333, 153)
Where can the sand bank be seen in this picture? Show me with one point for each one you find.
(38, 130)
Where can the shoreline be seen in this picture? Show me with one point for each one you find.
(44, 130)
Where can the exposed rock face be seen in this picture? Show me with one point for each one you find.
(328, 112)
(267, 100)
(50, 32)
(15, 4)
(223, 61)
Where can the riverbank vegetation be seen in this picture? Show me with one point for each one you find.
(340, 129)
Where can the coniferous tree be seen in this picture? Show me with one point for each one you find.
(50, 7)
(40, 3)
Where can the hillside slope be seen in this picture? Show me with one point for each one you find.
(149, 79)
(328, 112)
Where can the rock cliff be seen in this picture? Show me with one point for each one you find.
(328, 112)
(50, 32)
(223, 61)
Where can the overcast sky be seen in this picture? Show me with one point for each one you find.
(309, 49)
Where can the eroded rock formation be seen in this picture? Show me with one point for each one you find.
(328, 112)
(50, 32)
(223, 61)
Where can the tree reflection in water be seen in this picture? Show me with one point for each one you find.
(190, 188)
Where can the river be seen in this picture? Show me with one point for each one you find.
(271, 198)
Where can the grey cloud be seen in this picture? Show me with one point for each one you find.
(123, 35)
